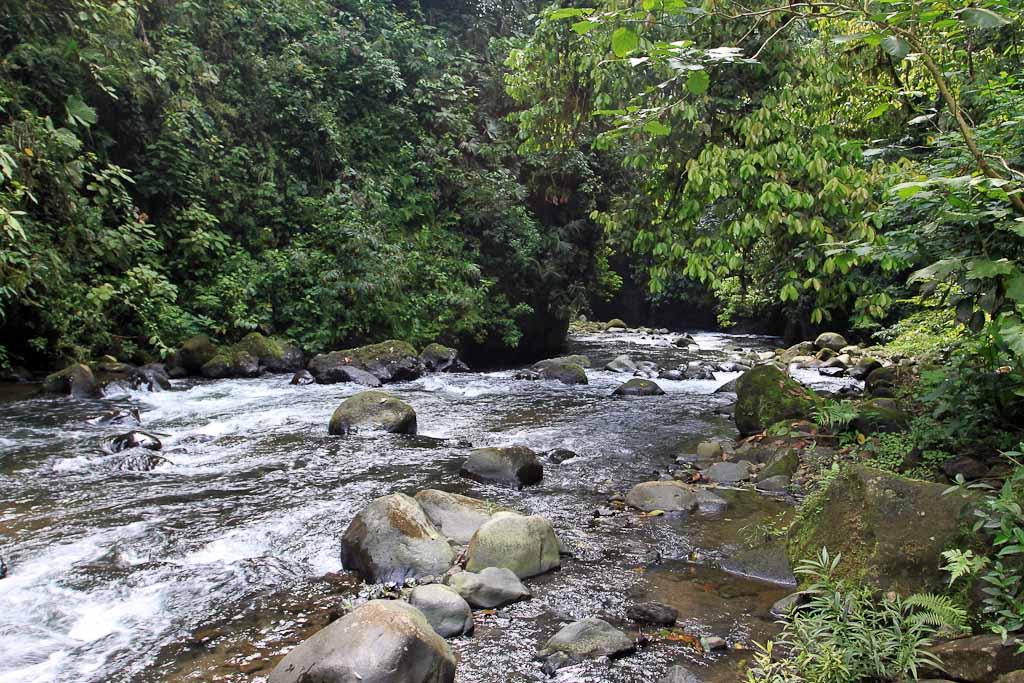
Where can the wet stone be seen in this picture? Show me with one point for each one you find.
(652, 613)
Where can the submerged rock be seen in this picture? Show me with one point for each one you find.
(140, 461)
(653, 613)
(489, 588)
(392, 539)
(639, 387)
(118, 417)
(382, 641)
(457, 517)
(588, 639)
(764, 396)
(526, 545)
(891, 531)
(75, 380)
(560, 455)
(667, 496)
(446, 611)
(375, 411)
(767, 563)
(679, 674)
(516, 466)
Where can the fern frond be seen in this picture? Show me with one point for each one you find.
(936, 610)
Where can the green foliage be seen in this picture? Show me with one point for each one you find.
(1000, 518)
(848, 633)
(835, 415)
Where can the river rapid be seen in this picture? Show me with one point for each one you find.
(213, 565)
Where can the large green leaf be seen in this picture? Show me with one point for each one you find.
(80, 113)
(624, 41)
(698, 81)
(979, 17)
(981, 268)
(897, 47)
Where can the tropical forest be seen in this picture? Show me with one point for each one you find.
(511, 341)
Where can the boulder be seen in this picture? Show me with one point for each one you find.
(667, 496)
(864, 368)
(489, 588)
(966, 467)
(75, 380)
(700, 372)
(796, 351)
(639, 387)
(891, 531)
(587, 639)
(118, 417)
(765, 395)
(767, 563)
(710, 450)
(708, 501)
(389, 361)
(615, 322)
(652, 613)
(446, 611)
(392, 539)
(272, 355)
(777, 484)
(438, 358)
(784, 606)
(516, 466)
(831, 341)
(231, 363)
(881, 415)
(784, 463)
(130, 440)
(382, 641)
(622, 364)
(457, 517)
(728, 472)
(1012, 677)
(526, 545)
(576, 359)
(566, 373)
(979, 659)
(303, 378)
(195, 353)
(375, 411)
(560, 455)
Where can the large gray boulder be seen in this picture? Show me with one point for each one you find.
(439, 358)
(979, 659)
(623, 364)
(373, 411)
(515, 465)
(75, 380)
(832, 341)
(382, 641)
(526, 545)
(765, 395)
(490, 587)
(457, 517)
(566, 373)
(589, 638)
(639, 387)
(392, 539)
(388, 361)
(448, 613)
(194, 353)
(667, 496)
(728, 472)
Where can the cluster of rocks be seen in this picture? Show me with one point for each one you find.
(135, 451)
(377, 364)
(85, 380)
(570, 370)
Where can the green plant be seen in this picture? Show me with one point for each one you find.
(835, 415)
(847, 633)
(1000, 518)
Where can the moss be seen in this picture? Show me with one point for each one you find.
(258, 346)
(615, 322)
(384, 352)
(765, 395)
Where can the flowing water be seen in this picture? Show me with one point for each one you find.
(211, 566)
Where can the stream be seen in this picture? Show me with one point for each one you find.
(212, 566)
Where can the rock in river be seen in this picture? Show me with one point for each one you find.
(448, 613)
(667, 496)
(589, 638)
(566, 373)
(438, 358)
(767, 563)
(526, 545)
(831, 341)
(457, 517)
(728, 472)
(652, 613)
(373, 410)
(392, 540)
(490, 587)
(622, 364)
(303, 378)
(765, 395)
(516, 465)
(639, 387)
(74, 380)
(388, 361)
(123, 442)
(382, 641)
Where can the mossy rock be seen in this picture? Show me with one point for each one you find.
(75, 380)
(566, 373)
(785, 463)
(765, 395)
(440, 358)
(231, 363)
(639, 387)
(577, 359)
(196, 352)
(615, 322)
(387, 361)
(881, 415)
(275, 355)
(375, 411)
(890, 530)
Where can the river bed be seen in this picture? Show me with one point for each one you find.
(210, 567)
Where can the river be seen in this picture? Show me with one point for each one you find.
(208, 568)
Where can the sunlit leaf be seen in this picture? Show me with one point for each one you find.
(624, 41)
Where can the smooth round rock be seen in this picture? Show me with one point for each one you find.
(667, 496)
(392, 539)
(516, 466)
(374, 411)
(457, 517)
(490, 587)
(623, 364)
(639, 387)
(382, 641)
(652, 613)
(589, 638)
(448, 613)
(728, 472)
(831, 341)
(526, 545)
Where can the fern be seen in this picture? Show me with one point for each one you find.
(939, 611)
(833, 415)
